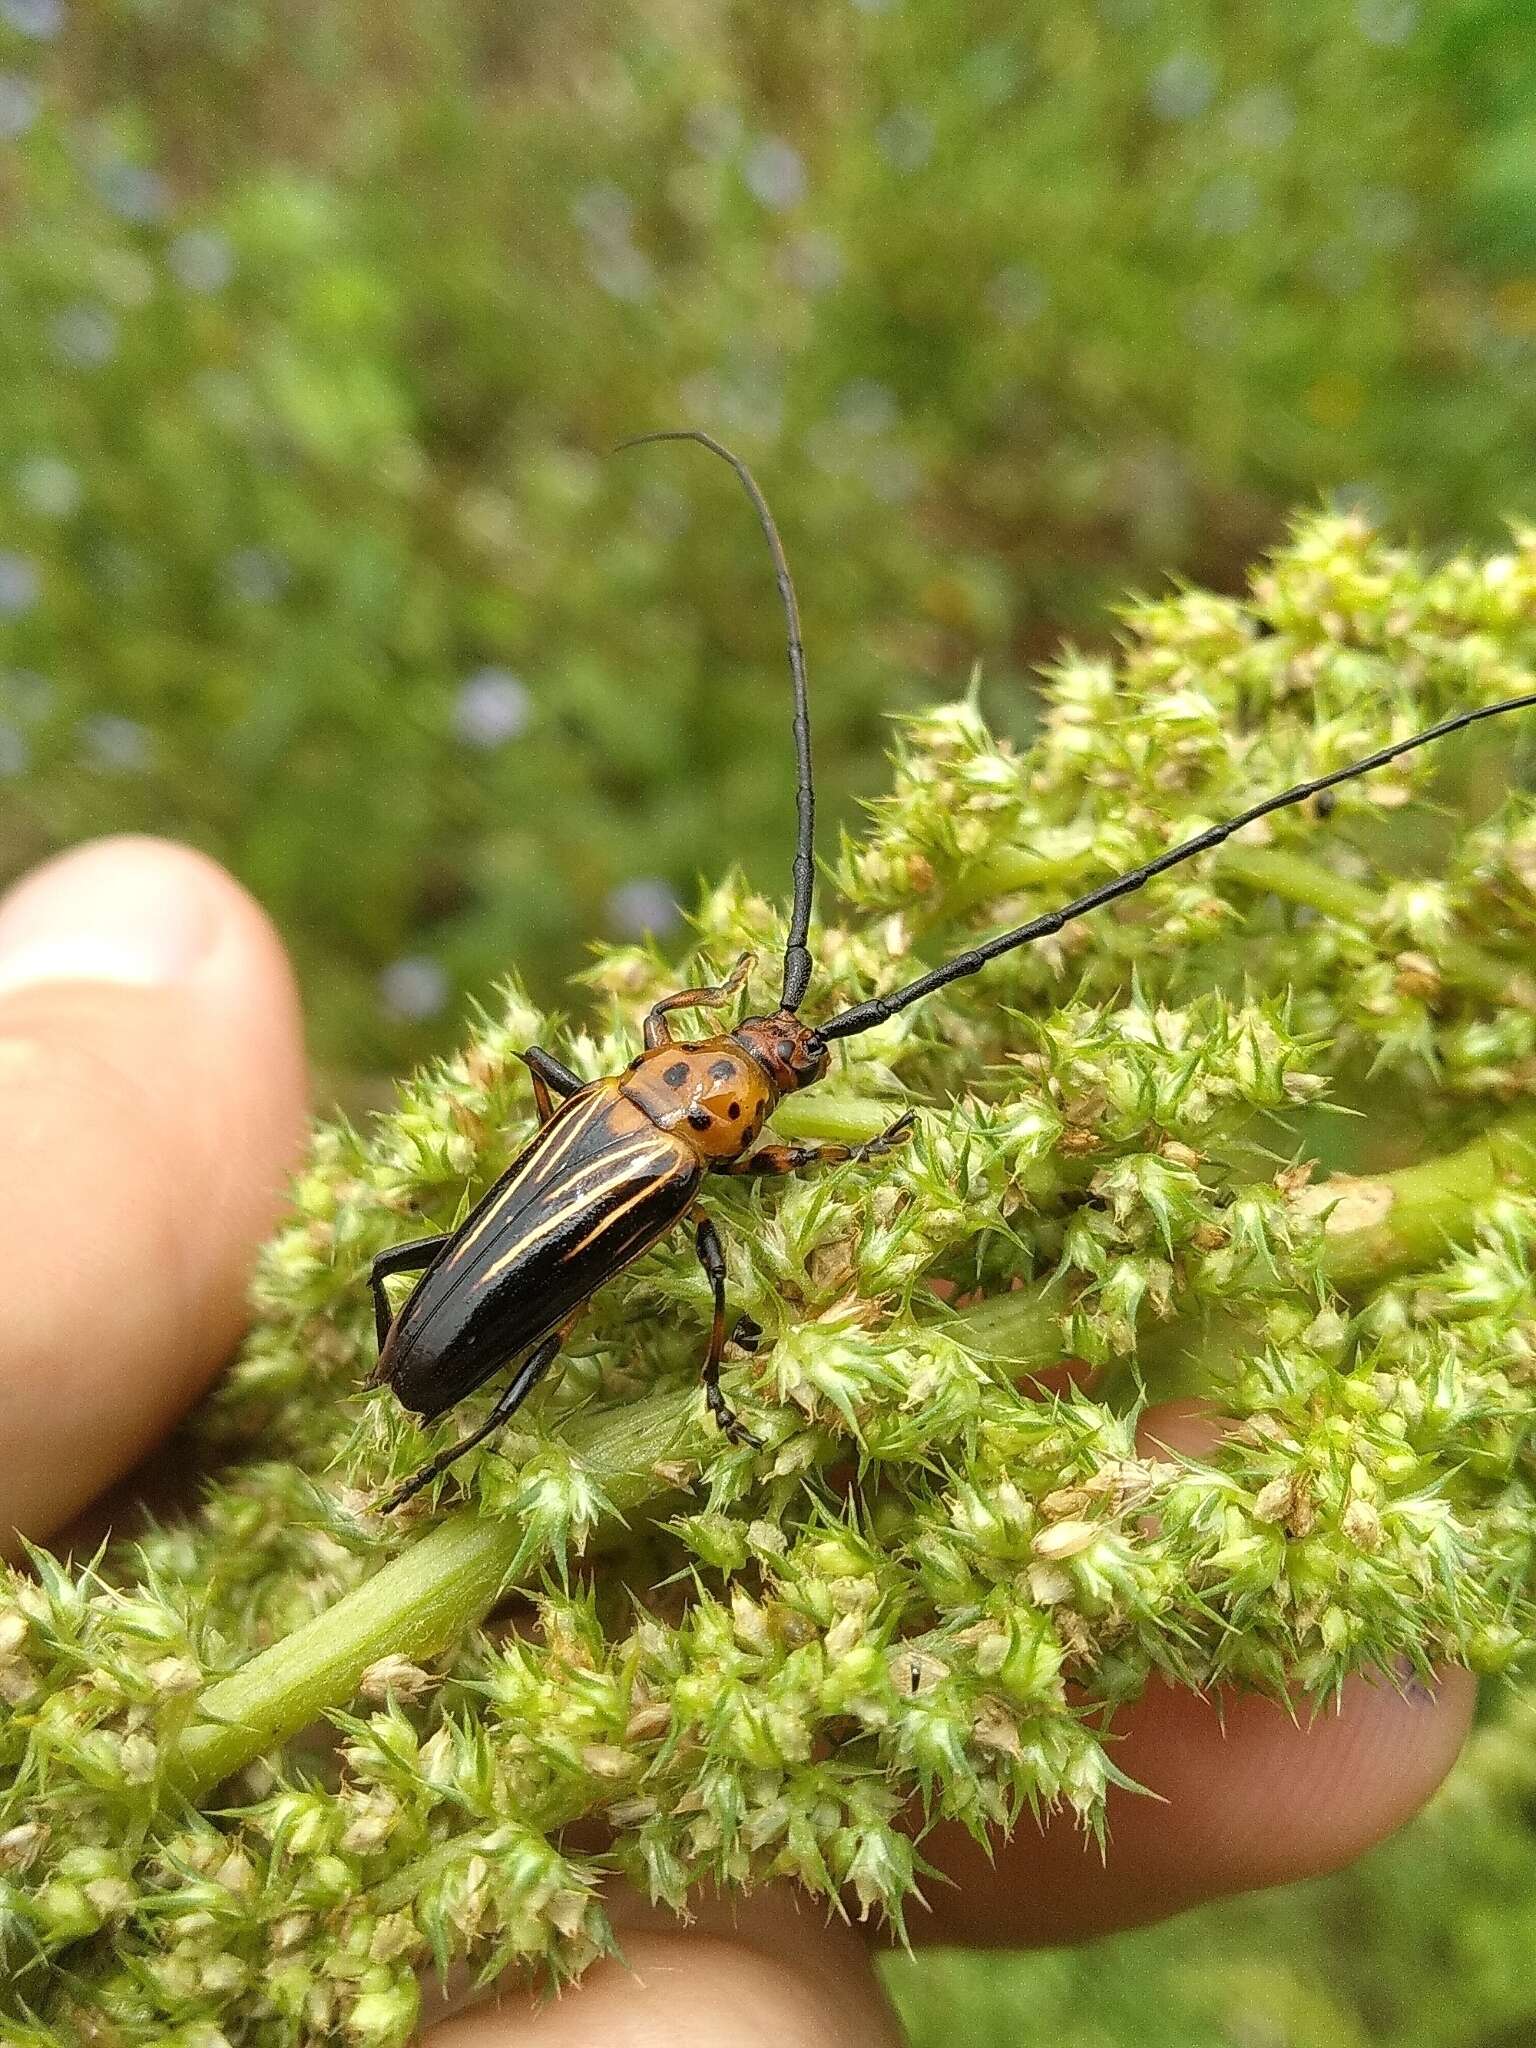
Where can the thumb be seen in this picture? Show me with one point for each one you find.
(151, 1101)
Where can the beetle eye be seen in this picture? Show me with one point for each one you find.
(784, 1051)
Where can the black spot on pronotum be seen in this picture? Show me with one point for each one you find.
(700, 1119)
(733, 1110)
(676, 1074)
(722, 1070)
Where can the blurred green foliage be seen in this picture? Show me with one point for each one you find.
(315, 324)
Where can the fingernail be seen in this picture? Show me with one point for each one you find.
(124, 911)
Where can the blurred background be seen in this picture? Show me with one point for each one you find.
(317, 321)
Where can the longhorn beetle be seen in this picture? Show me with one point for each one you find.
(618, 1161)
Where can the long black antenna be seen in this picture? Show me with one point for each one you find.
(797, 957)
(864, 1015)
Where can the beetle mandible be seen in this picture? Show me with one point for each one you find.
(618, 1161)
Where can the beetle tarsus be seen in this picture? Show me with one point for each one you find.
(727, 1421)
(409, 1491)
(893, 1135)
(747, 1335)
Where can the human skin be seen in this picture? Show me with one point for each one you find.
(152, 1096)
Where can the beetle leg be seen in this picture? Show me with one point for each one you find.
(549, 1073)
(747, 1335)
(656, 1032)
(543, 1101)
(712, 1259)
(791, 1158)
(414, 1257)
(512, 1397)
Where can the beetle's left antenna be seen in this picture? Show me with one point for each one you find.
(797, 956)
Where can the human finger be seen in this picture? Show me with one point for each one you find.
(152, 1100)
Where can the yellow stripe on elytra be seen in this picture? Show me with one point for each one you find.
(607, 1222)
(619, 1170)
(547, 1150)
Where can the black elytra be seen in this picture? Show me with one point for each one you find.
(618, 1161)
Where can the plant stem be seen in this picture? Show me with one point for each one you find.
(418, 1603)
(1298, 880)
(1406, 1219)
(1277, 872)
(422, 1601)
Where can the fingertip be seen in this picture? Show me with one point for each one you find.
(1245, 1795)
(152, 1090)
(1256, 1795)
(766, 1969)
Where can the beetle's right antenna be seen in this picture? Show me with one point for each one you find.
(864, 1016)
(797, 957)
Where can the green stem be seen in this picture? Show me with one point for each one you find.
(1276, 872)
(418, 1603)
(1022, 1330)
(1297, 880)
(1302, 881)
(1406, 1219)
(423, 1601)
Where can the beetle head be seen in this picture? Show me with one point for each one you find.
(789, 1052)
